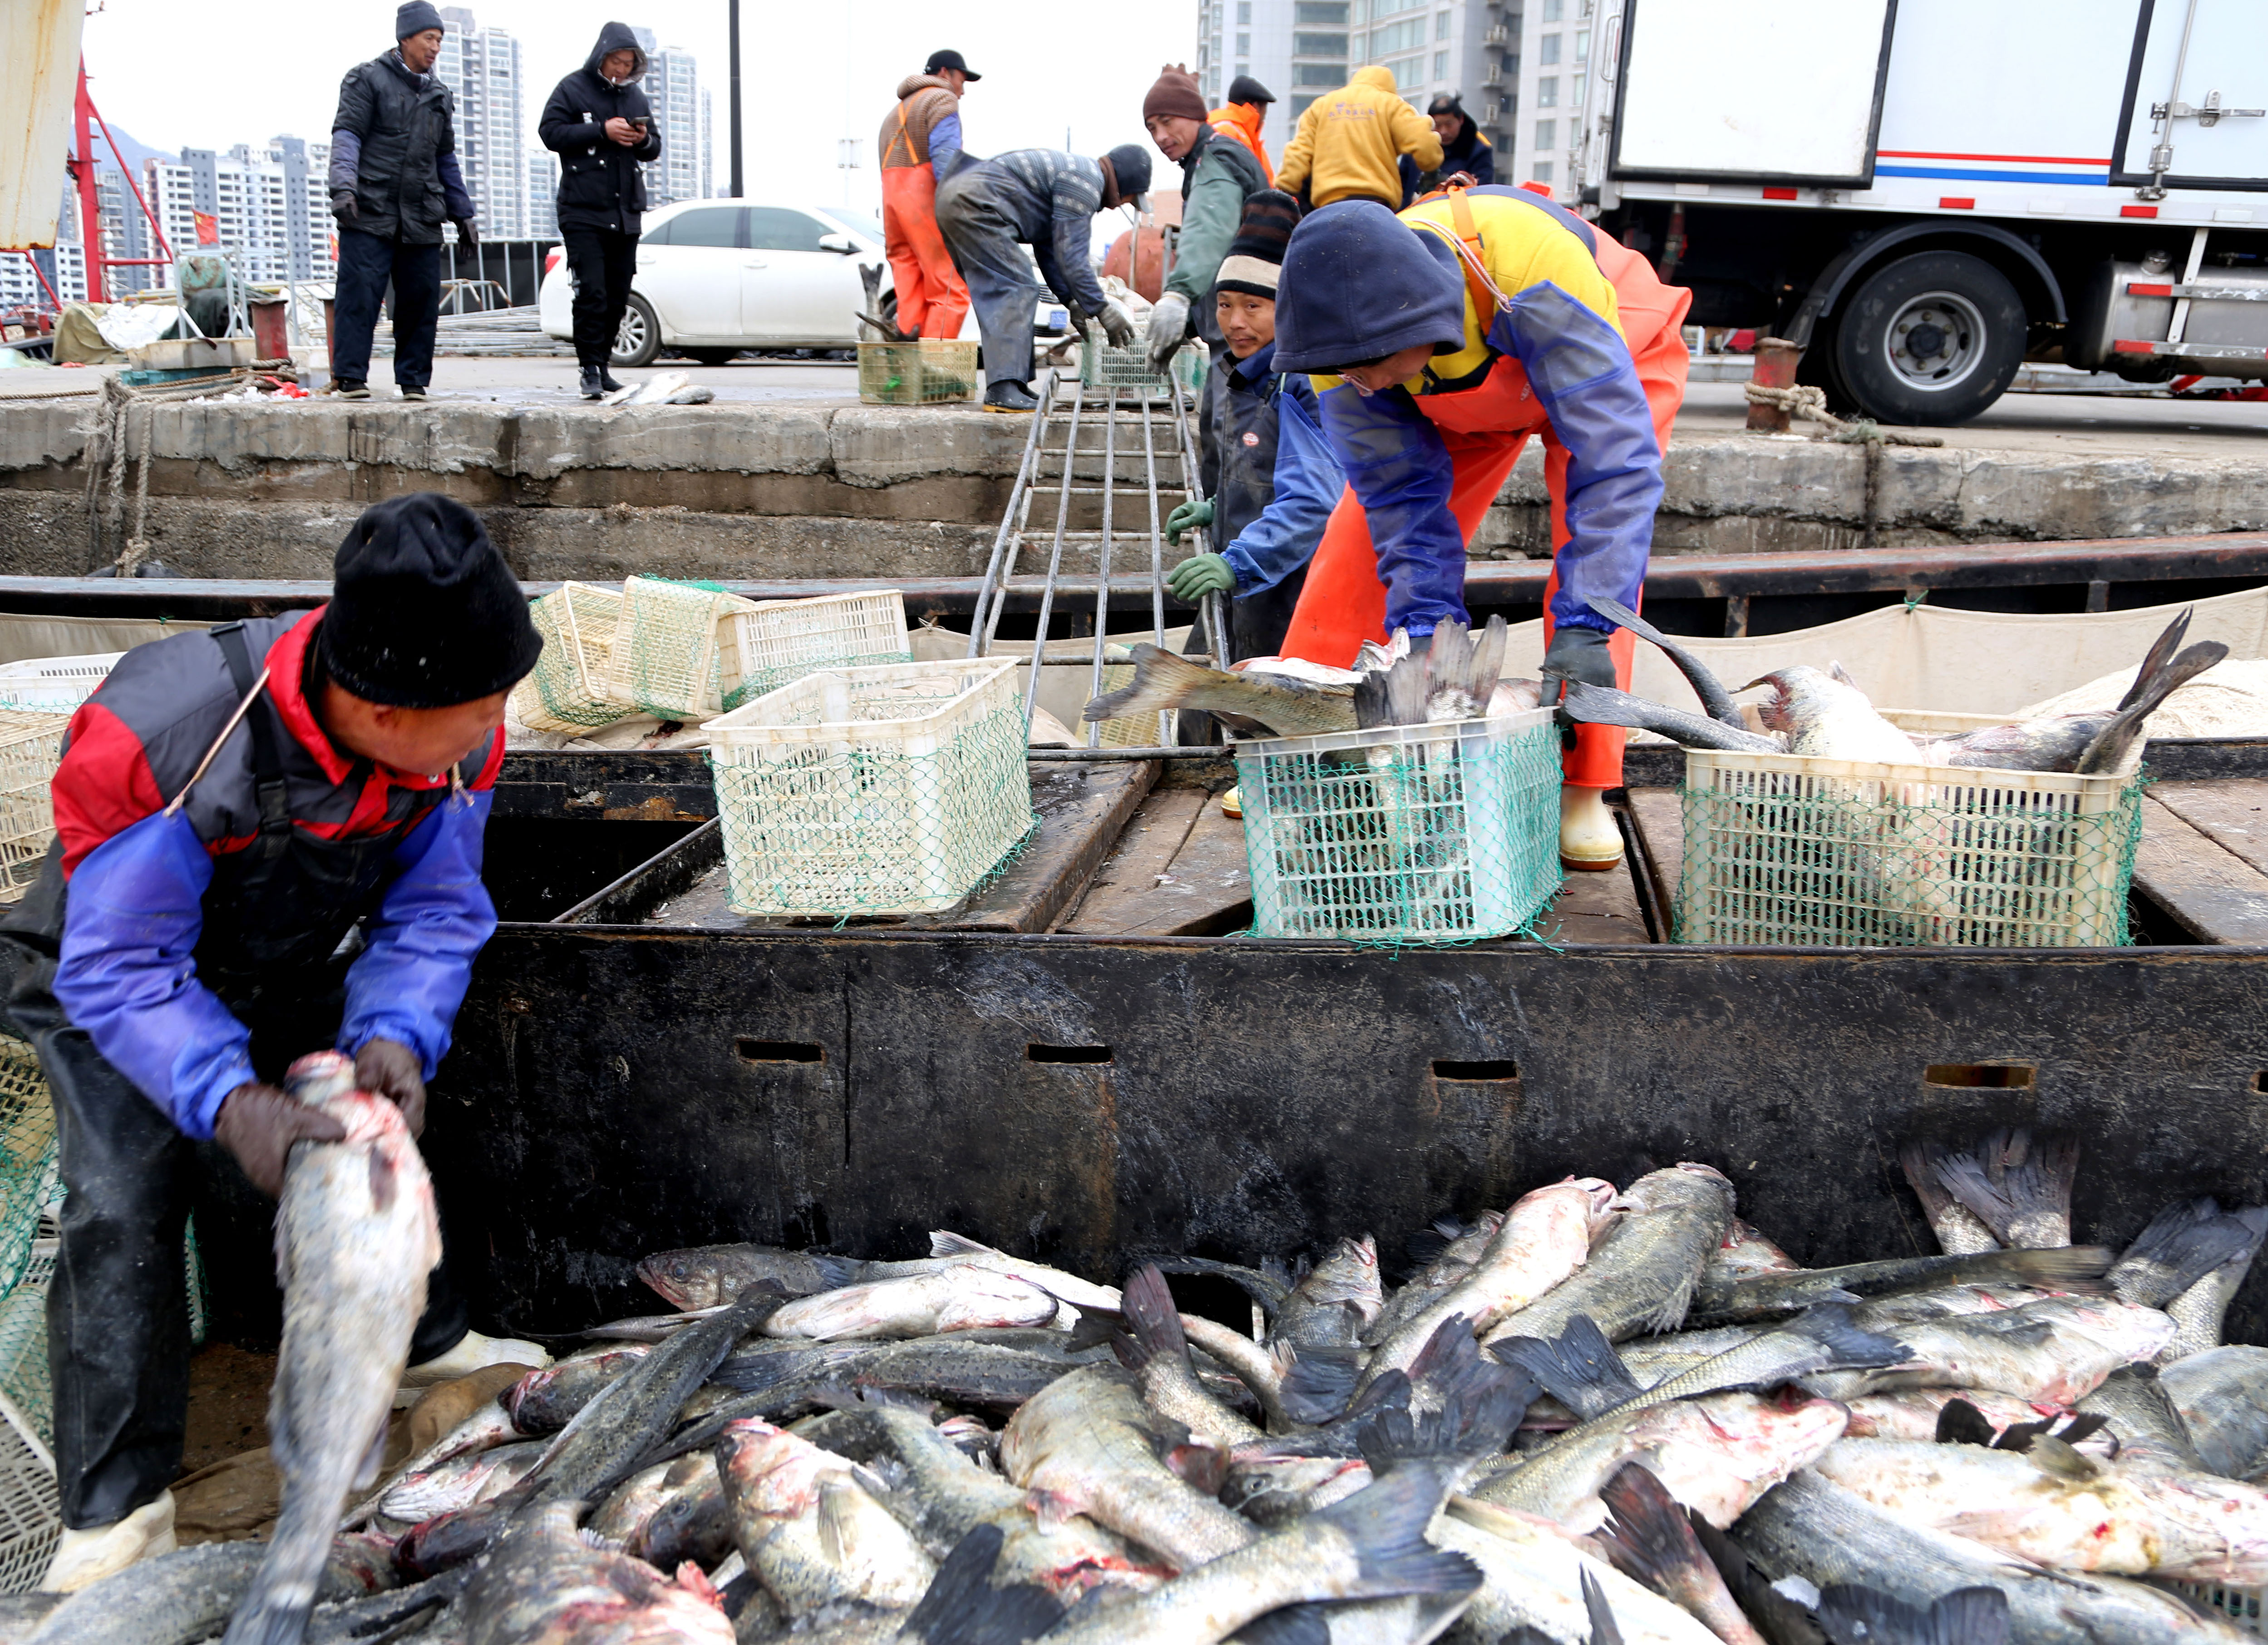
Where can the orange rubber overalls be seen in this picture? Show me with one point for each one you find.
(1485, 428)
(932, 301)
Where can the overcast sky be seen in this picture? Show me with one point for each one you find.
(220, 72)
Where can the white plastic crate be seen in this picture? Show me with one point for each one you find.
(31, 1505)
(566, 690)
(1403, 834)
(1791, 850)
(780, 641)
(893, 790)
(2239, 1607)
(53, 685)
(30, 748)
(665, 658)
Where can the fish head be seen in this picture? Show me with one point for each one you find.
(1349, 1275)
(773, 1472)
(1598, 1193)
(1270, 1489)
(685, 1278)
(321, 1077)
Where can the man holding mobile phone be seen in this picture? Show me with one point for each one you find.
(601, 125)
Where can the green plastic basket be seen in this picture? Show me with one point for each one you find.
(1102, 365)
(1792, 850)
(1404, 834)
(929, 371)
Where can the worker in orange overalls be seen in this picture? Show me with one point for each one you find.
(1240, 118)
(920, 146)
(1445, 337)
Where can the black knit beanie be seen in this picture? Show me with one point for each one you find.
(1129, 170)
(1255, 262)
(415, 17)
(425, 613)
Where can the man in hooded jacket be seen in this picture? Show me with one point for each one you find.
(394, 181)
(599, 124)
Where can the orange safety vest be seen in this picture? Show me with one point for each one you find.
(1240, 122)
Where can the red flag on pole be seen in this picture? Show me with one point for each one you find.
(208, 228)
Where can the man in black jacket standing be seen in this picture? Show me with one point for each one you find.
(601, 126)
(394, 181)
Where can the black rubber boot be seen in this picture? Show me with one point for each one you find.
(594, 383)
(607, 381)
(1009, 396)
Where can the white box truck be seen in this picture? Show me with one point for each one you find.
(1925, 193)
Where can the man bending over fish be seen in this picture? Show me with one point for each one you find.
(267, 843)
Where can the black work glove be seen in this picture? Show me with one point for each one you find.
(1575, 653)
(259, 1125)
(343, 206)
(466, 234)
(397, 1074)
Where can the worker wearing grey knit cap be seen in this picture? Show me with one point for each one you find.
(394, 181)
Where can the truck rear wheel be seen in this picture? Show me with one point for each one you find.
(1933, 339)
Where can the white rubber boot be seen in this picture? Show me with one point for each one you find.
(473, 1352)
(1589, 839)
(84, 1556)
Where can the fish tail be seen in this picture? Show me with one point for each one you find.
(1153, 1323)
(962, 1607)
(1387, 1523)
(2014, 1176)
(1649, 1539)
(1477, 1411)
(1967, 1616)
(1581, 1369)
(275, 1608)
(1602, 706)
(1706, 686)
(2160, 653)
(1161, 682)
(2107, 752)
(1318, 1384)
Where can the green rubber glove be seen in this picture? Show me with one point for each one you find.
(1193, 515)
(1199, 575)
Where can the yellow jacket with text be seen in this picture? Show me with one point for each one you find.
(1350, 142)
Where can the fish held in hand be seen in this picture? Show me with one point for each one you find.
(355, 1235)
(1280, 706)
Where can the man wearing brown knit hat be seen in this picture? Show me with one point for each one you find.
(1217, 176)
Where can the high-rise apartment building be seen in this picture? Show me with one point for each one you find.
(268, 207)
(542, 194)
(673, 86)
(1519, 66)
(481, 66)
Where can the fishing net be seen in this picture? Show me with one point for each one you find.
(891, 790)
(782, 640)
(28, 1183)
(1785, 849)
(1406, 834)
(665, 660)
(566, 690)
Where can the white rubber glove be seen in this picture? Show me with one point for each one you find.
(1169, 327)
(1117, 325)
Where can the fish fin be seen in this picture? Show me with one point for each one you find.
(1266, 1288)
(837, 1272)
(1161, 682)
(1204, 1467)
(1304, 1624)
(1961, 1423)
(962, 1607)
(1387, 1388)
(2086, 1425)
(1405, 689)
(1487, 657)
(1715, 699)
(838, 1518)
(1475, 1419)
(1851, 1615)
(1648, 1539)
(1154, 1325)
(2182, 1243)
(2018, 1437)
(2160, 653)
(1852, 1347)
(1841, 675)
(1371, 712)
(945, 1242)
(2052, 1456)
(1582, 1369)
(2014, 1173)
(1386, 1521)
(1604, 1629)
(1319, 1383)
(1427, 1245)
(1604, 705)
(2107, 752)
(1446, 1352)
(1094, 1328)
(2077, 1269)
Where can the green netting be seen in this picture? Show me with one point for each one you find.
(872, 790)
(565, 692)
(1103, 364)
(28, 1156)
(665, 659)
(1407, 834)
(1777, 852)
(919, 372)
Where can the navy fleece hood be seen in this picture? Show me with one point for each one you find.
(1359, 284)
(615, 37)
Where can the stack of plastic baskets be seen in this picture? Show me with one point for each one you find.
(31, 1512)
(1404, 834)
(30, 748)
(927, 371)
(894, 790)
(1792, 850)
(780, 641)
(665, 660)
(1103, 364)
(566, 691)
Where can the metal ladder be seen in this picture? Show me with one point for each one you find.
(1055, 465)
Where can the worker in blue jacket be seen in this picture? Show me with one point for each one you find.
(1271, 480)
(268, 842)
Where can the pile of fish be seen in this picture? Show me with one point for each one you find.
(1598, 1415)
(1826, 714)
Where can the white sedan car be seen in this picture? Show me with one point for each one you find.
(717, 277)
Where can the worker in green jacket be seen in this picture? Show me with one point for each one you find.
(1217, 178)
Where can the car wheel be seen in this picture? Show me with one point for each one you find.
(1933, 338)
(712, 357)
(638, 340)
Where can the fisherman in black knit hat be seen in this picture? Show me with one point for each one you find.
(267, 843)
